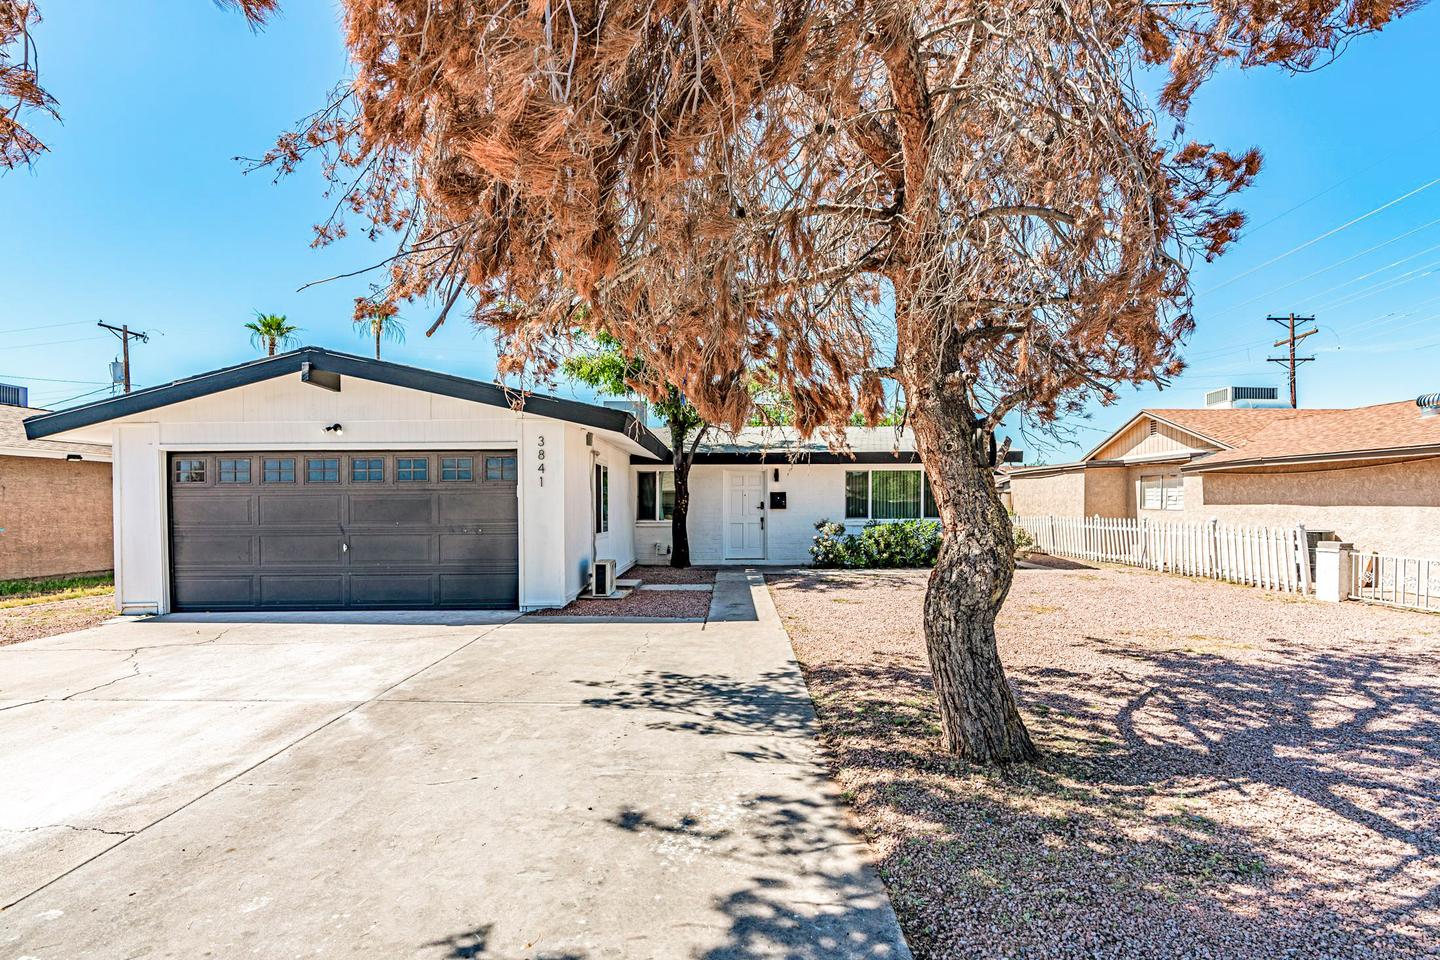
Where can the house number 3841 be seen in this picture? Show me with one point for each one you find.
(540, 458)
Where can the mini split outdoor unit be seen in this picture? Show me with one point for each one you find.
(602, 578)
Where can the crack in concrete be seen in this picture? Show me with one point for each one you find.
(132, 659)
(239, 774)
(70, 826)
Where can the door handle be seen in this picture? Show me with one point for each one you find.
(344, 548)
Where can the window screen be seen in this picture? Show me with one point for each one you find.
(857, 494)
(932, 512)
(895, 494)
(412, 469)
(235, 471)
(279, 470)
(602, 498)
(646, 495)
(667, 494)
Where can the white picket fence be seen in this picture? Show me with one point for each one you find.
(1410, 582)
(1274, 558)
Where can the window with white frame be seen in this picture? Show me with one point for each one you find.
(654, 495)
(602, 498)
(1162, 492)
(888, 495)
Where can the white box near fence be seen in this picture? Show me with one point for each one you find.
(1275, 558)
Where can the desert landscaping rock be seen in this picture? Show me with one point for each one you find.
(1227, 773)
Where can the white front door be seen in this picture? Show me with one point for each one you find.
(744, 514)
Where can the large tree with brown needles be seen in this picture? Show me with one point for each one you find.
(973, 199)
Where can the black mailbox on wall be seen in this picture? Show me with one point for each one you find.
(777, 500)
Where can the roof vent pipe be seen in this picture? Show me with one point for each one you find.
(1429, 404)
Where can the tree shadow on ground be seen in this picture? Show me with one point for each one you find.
(474, 944)
(1282, 796)
(800, 894)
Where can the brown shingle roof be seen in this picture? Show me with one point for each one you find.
(1381, 428)
(13, 441)
(1231, 428)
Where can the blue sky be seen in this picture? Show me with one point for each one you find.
(139, 215)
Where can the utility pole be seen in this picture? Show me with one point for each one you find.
(1291, 341)
(123, 332)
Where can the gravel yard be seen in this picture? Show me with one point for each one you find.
(1228, 773)
(36, 620)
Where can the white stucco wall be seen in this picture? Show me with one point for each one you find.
(813, 492)
(285, 414)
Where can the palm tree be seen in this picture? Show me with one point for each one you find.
(270, 330)
(378, 320)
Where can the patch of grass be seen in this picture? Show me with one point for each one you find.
(22, 593)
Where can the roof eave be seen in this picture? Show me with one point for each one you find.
(1383, 453)
(380, 371)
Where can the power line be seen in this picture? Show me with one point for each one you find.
(51, 343)
(1226, 311)
(1327, 234)
(16, 376)
(44, 326)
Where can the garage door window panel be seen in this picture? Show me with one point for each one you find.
(367, 470)
(235, 470)
(457, 469)
(190, 470)
(500, 468)
(322, 470)
(279, 470)
(412, 469)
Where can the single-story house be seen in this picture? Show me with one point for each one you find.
(1370, 475)
(321, 480)
(54, 502)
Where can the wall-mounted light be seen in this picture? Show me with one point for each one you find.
(777, 474)
(335, 428)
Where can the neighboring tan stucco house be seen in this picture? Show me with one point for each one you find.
(1370, 475)
(54, 503)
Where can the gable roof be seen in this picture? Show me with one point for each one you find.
(1223, 428)
(1374, 432)
(15, 443)
(348, 365)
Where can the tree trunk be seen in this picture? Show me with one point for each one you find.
(978, 717)
(679, 533)
(377, 341)
(271, 342)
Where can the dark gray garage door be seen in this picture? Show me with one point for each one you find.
(317, 531)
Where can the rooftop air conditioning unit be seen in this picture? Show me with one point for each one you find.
(1240, 398)
(602, 578)
(13, 396)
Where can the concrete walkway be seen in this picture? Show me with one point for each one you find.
(425, 786)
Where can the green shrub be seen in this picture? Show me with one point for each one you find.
(1024, 543)
(904, 543)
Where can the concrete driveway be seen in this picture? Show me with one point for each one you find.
(425, 786)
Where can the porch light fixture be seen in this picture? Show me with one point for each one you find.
(335, 428)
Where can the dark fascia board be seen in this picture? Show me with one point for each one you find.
(779, 458)
(1053, 469)
(1383, 453)
(344, 364)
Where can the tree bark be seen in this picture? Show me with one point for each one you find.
(978, 716)
(679, 533)
(377, 342)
